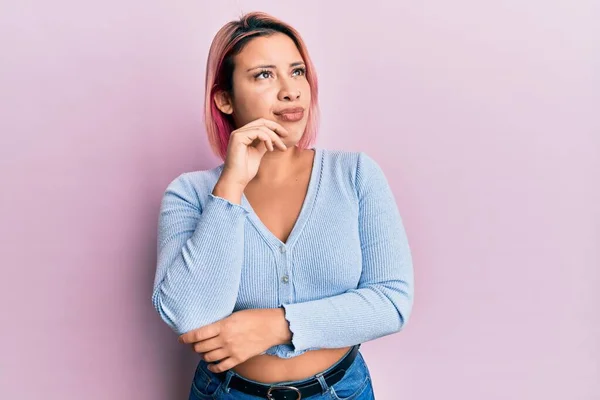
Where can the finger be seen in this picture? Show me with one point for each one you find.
(251, 133)
(275, 139)
(216, 355)
(248, 136)
(274, 126)
(208, 345)
(197, 335)
(264, 136)
(223, 366)
(262, 148)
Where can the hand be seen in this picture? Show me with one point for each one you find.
(239, 337)
(247, 145)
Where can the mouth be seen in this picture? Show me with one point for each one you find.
(290, 114)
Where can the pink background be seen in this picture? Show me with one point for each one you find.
(484, 116)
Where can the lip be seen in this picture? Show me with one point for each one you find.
(291, 114)
(290, 110)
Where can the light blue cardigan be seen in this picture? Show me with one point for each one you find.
(344, 275)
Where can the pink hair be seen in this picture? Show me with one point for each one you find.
(228, 42)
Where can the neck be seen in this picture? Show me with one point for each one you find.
(279, 165)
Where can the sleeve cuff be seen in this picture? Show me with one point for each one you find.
(224, 204)
(295, 322)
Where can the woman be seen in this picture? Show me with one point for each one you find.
(277, 264)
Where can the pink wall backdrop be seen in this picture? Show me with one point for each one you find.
(484, 116)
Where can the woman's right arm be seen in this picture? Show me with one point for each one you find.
(201, 248)
(200, 255)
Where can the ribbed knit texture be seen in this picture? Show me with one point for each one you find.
(344, 275)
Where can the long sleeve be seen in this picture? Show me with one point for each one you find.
(382, 302)
(199, 257)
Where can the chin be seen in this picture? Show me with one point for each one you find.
(295, 135)
(295, 129)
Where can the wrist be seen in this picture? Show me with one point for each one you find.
(231, 178)
(230, 191)
(281, 331)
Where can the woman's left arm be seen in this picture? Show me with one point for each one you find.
(382, 302)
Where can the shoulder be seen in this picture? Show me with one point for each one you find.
(359, 165)
(194, 186)
(339, 156)
(354, 173)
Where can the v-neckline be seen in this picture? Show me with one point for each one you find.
(309, 199)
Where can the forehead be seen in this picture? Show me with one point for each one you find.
(273, 49)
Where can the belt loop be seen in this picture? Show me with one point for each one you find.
(228, 376)
(324, 385)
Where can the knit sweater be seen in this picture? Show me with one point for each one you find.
(344, 275)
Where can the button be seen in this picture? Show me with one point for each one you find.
(282, 248)
(285, 279)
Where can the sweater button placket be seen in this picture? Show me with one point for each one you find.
(285, 278)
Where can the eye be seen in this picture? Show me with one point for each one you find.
(302, 70)
(264, 73)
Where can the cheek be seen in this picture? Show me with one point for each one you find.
(253, 103)
(306, 89)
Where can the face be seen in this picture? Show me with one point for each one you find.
(269, 81)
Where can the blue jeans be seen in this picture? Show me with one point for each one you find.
(355, 385)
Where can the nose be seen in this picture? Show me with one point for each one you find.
(289, 92)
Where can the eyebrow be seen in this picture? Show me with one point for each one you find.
(295, 64)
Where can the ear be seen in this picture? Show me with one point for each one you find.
(223, 102)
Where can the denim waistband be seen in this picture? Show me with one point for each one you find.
(227, 375)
